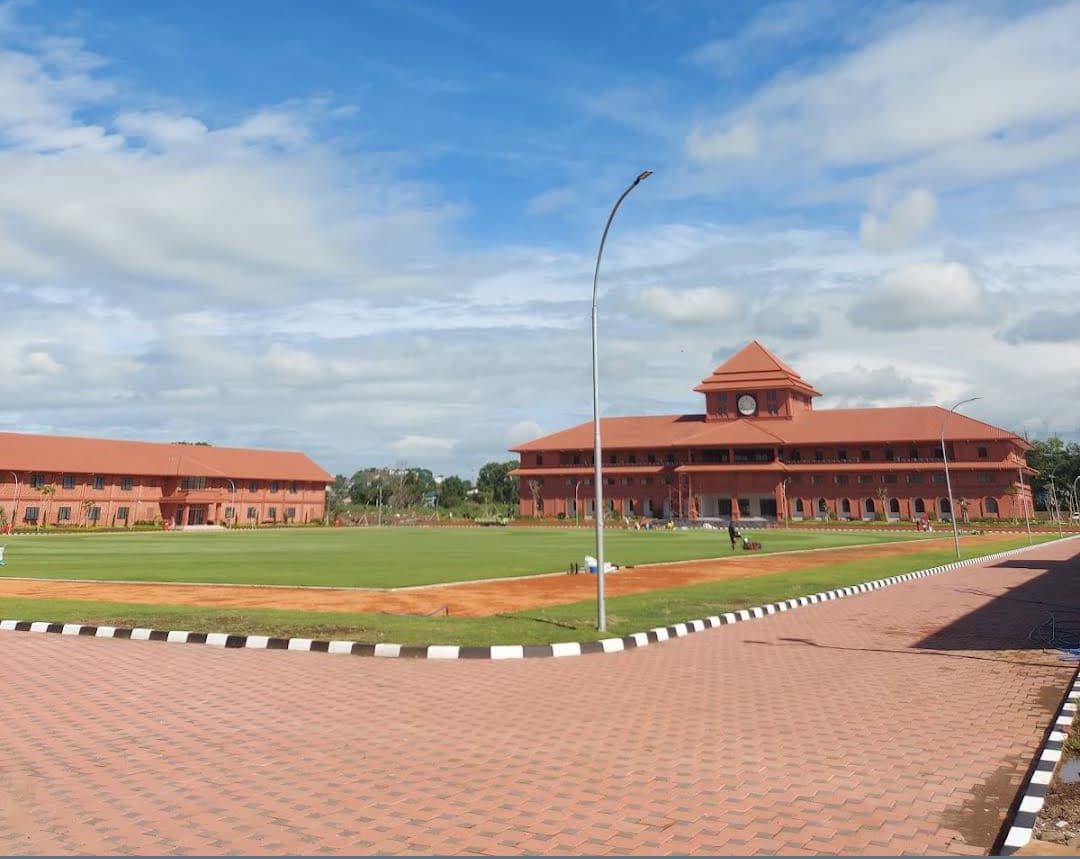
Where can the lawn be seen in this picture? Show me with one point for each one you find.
(374, 558)
(574, 622)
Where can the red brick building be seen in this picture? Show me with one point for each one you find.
(53, 480)
(761, 450)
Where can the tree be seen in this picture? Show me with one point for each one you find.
(47, 492)
(1053, 458)
(337, 496)
(495, 479)
(453, 491)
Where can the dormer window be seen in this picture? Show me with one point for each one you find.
(772, 402)
(722, 404)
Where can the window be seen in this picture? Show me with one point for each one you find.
(913, 453)
(253, 486)
(890, 455)
(865, 478)
(229, 512)
(889, 478)
(37, 481)
(715, 455)
(609, 481)
(294, 487)
(668, 481)
(632, 459)
(652, 459)
(936, 452)
(819, 455)
(252, 513)
(938, 477)
(981, 451)
(985, 477)
(95, 514)
(753, 454)
(798, 506)
(864, 454)
(539, 461)
(99, 483)
(840, 479)
(816, 478)
(626, 481)
(63, 514)
(914, 478)
(772, 402)
(30, 514)
(126, 483)
(271, 513)
(122, 513)
(577, 459)
(845, 506)
(69, 481)
(920, 505)
(841, 454)
(671, 459)
(796, 478)
(569, 481)
(894, 506)
(646, 481)
(822, 506)
(613, 459)
(795, 456)
(193, 483)
(722, 404)
(274, 486)
(991, 505)
(290, 512)
(868, 505)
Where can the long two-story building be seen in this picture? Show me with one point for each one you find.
(54, 480)
(761, 450)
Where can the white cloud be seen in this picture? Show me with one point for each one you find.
(39, 363)
(931, 295)
(908, 218)
(522, 432)
(702, 306)
(739, 141)
(552, 200)
(422, 446)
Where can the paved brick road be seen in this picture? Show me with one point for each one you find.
(833, 728)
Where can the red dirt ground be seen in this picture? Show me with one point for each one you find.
(466, 599)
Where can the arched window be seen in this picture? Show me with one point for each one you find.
(894, 506)
(945, 506)
(798, 506)
(845, 506)
(822, 506)
(992, 506)
(920, 505)
(868, 505)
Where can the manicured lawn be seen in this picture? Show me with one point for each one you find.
(376, 558)
(575, 622)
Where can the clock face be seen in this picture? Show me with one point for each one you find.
(747, 404)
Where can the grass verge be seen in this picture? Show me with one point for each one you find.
(574, 622)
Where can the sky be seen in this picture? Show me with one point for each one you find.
(367, 230)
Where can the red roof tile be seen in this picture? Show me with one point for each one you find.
(754, 366)
(23, 452)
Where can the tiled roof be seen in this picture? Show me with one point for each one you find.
(23, 452)
(754, 366)
(898, 425)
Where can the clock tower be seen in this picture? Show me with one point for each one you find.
(754, 384)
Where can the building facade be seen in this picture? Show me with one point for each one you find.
(62, 481)
(760, 450)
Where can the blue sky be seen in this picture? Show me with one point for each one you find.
(366, 230)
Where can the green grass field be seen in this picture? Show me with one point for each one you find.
(373, 558)
(574, 622)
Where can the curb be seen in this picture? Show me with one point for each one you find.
(1034, 794)
(496, 651)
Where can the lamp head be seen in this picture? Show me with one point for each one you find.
(644, 175)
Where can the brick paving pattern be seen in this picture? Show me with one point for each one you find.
(901, 721)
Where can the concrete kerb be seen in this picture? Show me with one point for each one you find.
(1033, 796)
(498, 651)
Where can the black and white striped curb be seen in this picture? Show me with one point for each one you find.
(1034, 795)
(496, 651)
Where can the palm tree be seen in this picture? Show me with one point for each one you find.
(47, 491)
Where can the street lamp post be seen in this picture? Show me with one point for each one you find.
(1023, 499)
(601, 619)
(235, 505)
(577, 515)
(948, 481)
(1076, 498)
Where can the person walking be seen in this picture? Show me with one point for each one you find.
(732, 533)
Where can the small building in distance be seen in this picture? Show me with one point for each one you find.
(57, 480)
(760, 450)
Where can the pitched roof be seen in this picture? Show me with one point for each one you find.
(754, 366)
(898, 425)
(45, 453)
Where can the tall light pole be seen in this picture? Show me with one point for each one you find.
(235, 503)
(15, 503)
(576, 515)
(948, 482)
(601, 618)
(1076, 498)
(1023, 498)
